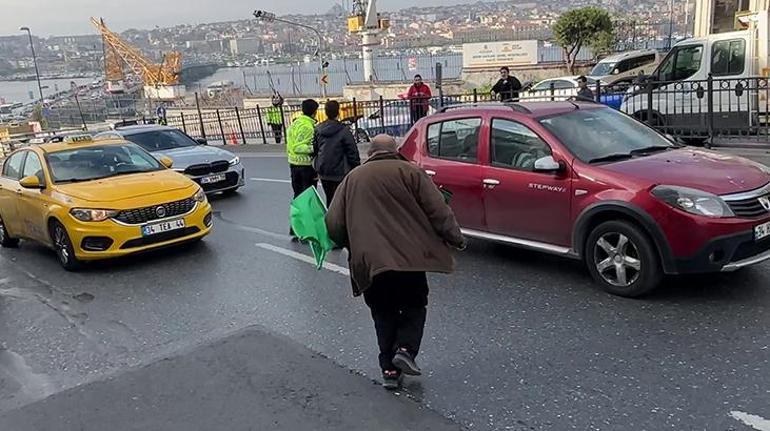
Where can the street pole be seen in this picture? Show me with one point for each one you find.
(270, 17)
(34, 60)
(670, 22)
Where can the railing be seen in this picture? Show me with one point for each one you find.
(711, 111)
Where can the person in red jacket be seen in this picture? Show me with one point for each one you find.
(419, 99)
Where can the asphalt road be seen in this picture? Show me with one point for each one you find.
(514, 339)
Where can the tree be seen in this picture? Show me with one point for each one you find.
(585, 27)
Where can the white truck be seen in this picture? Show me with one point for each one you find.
(710, 85)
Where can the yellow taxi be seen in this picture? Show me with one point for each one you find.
(95, 199)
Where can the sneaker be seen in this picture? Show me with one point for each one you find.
(391, 380)
(403, 361)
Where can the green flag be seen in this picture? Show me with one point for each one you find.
(307, 220)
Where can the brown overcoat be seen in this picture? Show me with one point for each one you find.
(391, 217)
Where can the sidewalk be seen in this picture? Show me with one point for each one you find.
(250, 380)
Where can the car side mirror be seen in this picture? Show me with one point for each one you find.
(31, 182)
(167, 162)
(548, 164)
(201, 141)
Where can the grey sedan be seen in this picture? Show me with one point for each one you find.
(215, 169)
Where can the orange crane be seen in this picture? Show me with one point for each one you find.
(159, 79)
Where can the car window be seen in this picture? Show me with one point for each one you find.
(563, 85)
(728, 57)
(543, 85)
(591, 134)
(515, 146)
(161, 140)
(91, 163)
(33, 168)
(642, 61)
(454, 139)
(622, 66)
(681, 63)
(12, 167)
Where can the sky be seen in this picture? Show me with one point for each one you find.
(69, 17)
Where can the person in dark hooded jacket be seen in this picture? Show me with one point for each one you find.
(335, 149)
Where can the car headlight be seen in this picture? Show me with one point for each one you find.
(200, 196)
(87, 214)
(693, 201)
(235, 161)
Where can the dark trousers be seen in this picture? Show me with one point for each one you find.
(277, 132)
(302, 178)
(398, 303)
(417, 112)
(330, 187)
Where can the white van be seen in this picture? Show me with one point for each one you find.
(625, 66)
(680, 89)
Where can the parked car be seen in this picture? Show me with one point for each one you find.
(585, 181)
(215, 169)
(625, 66)
(566, 87)
(393, 118)
(91, 200)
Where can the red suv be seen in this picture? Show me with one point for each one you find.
(587, 182)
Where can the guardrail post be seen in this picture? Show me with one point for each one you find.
(200, 116)
(240, 124)
(475, 95)
(382, 113)
(261, 128)
(221, 129)
(649, 104)
(597, 96)
(710, 107)
(355, 116)
(184, 126)
(552, 88)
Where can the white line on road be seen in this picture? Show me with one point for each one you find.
(754, 421)
(270, 180)
(304, 258)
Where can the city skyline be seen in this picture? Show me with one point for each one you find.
(71, 17)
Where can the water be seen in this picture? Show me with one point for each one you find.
(18, 91)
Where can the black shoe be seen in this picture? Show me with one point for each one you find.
(404, 362)
(391, 380)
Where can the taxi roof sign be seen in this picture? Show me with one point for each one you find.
(78, 139)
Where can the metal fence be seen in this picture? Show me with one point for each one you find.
(710, 111)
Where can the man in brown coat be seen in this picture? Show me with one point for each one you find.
(396, 226)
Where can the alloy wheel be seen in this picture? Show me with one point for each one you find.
(2, 231)
(62, 244)
(617, 259)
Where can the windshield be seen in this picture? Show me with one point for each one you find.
(91, 163)
(161, 140)
(603, 68)
(592, 134)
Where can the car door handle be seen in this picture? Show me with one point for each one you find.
(490, 183)
(18, 192)
(430, 173)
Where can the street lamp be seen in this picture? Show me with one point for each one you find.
(34, 60)
(270, 17)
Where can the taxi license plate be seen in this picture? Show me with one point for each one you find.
(213, 179)
(762, 231)
(156, 228)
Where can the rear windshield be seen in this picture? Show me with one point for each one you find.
(596, 133)
(92, 163)
(161, 140)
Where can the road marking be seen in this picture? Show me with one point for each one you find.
(304, 258)
(754, 421)
(270, 180)
(278, 236)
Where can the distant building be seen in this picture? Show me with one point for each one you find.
(245, 46)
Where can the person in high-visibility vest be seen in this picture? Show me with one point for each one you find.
(275, 117)
(299, 150)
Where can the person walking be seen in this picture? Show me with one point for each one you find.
(584, 92)
(299, 149)
(507, 87)
(275, 117)
(419, 99)
(396, 226)
(335, 149)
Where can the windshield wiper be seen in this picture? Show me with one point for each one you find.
(74, 180)
(651, 149)
(612, 158)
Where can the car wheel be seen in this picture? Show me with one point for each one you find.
(622, 259)
(63, 247)
(5, 238)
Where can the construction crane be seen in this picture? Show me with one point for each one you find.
(365, 20)
(161, 81)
